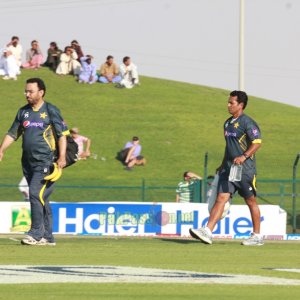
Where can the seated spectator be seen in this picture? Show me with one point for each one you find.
(109, 71)
(88, 72)
(8, 65)
(16, 49)
(75, 46)
(68, 63)
(34, 56)
(131, 152)
(186, 188)
(53, 56)
(83, 143)
(128, 72)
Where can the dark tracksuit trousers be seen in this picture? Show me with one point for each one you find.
(39, 192)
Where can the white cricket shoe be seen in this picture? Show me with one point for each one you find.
(29, 240)
(45, 242)
(253, 240)
(202, 235)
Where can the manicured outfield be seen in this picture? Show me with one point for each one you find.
(225, 257)
(177, 124)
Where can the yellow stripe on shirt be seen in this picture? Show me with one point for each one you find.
(257, 141)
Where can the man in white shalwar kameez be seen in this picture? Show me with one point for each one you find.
(68, 63)
(129, 74)
(8, 65)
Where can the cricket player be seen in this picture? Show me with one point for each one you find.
(243, 139)
(33, 123)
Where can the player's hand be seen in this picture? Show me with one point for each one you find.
(61, 163)
(239, 160)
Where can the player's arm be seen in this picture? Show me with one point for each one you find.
(7, 141)
(61, 131)
(12, 135)
(177, 198)
(253, 133)
(62, 147)
(247, 154)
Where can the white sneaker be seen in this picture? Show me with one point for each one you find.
(202, 235)
(45, 242)
(253, 240)
(6, 78)
(29, 240)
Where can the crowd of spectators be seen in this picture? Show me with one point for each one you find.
(71, 61)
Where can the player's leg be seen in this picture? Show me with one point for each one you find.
(247, 190)
(35, 179)
(48, 219)
(217, 210)
(225, 190)
(255, 213)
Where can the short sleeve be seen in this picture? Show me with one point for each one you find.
(16, 128)
(58, 123)
(253, 132)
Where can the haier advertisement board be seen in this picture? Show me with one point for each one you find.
(142, 219)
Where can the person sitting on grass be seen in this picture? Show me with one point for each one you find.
(88, 72)
(83, 143)
(133, 157)
(34, 56)
(109, 71)
(129, 74)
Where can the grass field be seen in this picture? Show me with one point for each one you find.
(177, 124)
(225, 257)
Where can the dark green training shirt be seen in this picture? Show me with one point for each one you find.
(36, 127)
(239, 134)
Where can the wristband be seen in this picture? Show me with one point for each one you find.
(245, 155)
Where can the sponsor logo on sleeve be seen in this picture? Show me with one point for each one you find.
(255, 132)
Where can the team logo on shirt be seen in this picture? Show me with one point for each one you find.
(43, 115)
(236, 125)
(26, 115)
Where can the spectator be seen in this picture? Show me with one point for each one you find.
(34, 56)
(8, 65)
(68, 62)
(77, 48)
(53, 56)
(83, 143)
(128, 72)
(185, 189)
(132, 151)
(16, 49)
(88, 72)
(109, 71)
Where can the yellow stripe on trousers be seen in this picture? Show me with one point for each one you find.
(42, 192)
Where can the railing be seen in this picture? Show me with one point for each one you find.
(278, 191)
